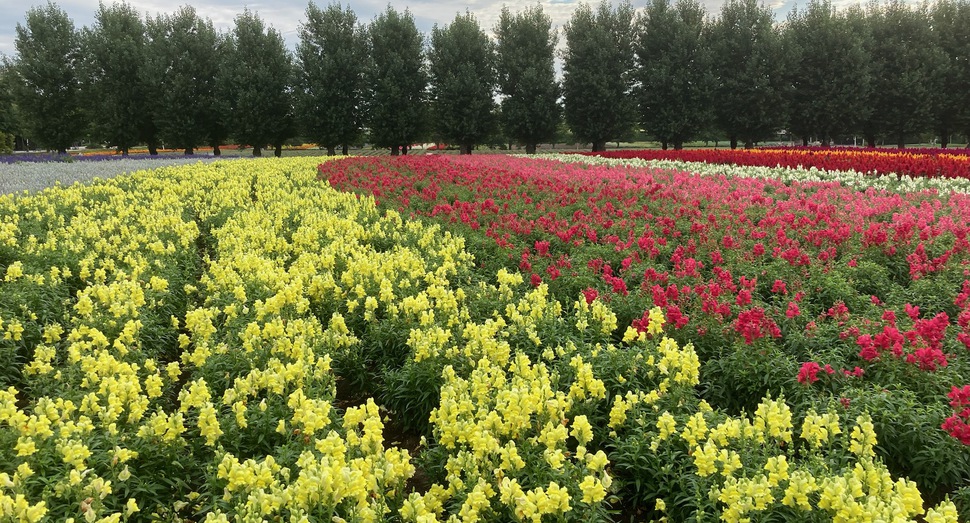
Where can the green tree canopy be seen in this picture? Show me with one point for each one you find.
(749, 100)
(463, 82)
(257, 76)
(828, 72)
(598, 73)
(183, 62)
(673, 71)
(331, 59)
(951, 106)
(46, 86)
(905, 62)
(525, 52)
(397, 82)
(8, 111)
(114, 52)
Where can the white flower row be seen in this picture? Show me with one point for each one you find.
(856, 180)
(27, 176)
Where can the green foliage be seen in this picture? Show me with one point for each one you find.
(257, 77)
(751, 79)
(525, 46)
(673, 71)
(828, 70)
(748, 63)
(330, 60)
(396, 79)
(463, 82)
(181, 68)
(8, 113)
(6, 143)
(46, 84)
(904, 70)
(951, 110)
(114, 53)
(597, 73)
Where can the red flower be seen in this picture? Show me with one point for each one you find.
(535, 279)
(808, 373)
(590, 294)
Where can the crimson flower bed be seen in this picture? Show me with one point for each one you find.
(945, 163)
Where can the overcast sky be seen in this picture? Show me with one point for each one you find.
(286, 15)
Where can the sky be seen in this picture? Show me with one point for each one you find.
(286, 15)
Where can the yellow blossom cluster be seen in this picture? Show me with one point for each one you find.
(755, 466)
(199, 306)
(497, 425)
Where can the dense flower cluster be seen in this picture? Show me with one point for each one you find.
(909, 162)
(236, 341)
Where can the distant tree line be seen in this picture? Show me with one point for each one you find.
(671, 73)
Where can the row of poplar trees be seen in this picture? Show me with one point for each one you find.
(885, 71)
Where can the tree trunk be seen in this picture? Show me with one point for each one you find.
(944, 140)
(189, 151)
(465, 149)
(257, 151)
(748, 144)
(279, 150)
(901, 142)
(599, 147)
(124, 150)
(870, 141)
(216, 151)
(152, 149)
(331, 150)
(530, 148)
(804, 141)
(346, 149)
(406, 148)
(678, 145)
(825, 142)
(395, 151)
(734, 143)
(663, 144)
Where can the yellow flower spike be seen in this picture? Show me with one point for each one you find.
(592, 489)
(582, 430)
(863, 437)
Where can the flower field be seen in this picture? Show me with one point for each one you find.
(944, 163)
(481, 339)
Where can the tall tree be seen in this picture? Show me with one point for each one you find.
(598, 73)
(750, 101)
(463, 82)
(114, 51)
(828, 72)
(46, 87)
(748, 62)
(951, 107)
(397, 81)
(331, 57)
(525, 52)
(673, 71)
(258, 76)
(8, 114)
(905, 62)
(183, 64)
